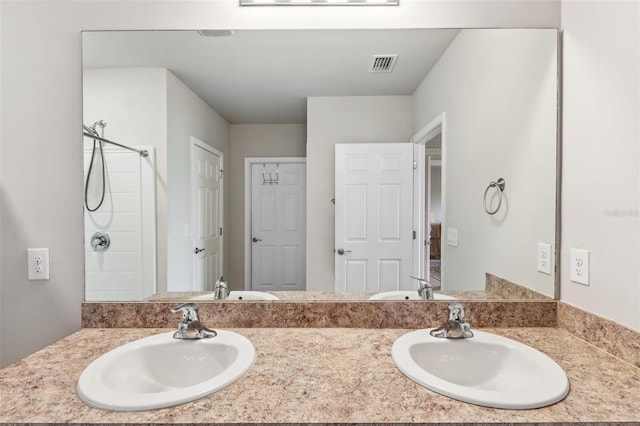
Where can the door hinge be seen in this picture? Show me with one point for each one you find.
(221, 173)
(415, 165)
(415, 235)
(220, 231)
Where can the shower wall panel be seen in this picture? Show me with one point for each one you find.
(126, 270)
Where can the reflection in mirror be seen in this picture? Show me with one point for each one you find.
(320, 164)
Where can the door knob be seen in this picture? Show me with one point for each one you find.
(342, 251)
(198, 250)
(255, 239)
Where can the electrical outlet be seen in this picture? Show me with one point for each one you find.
(544, 258)
(38, 264)
(580, 266)
(452, 237)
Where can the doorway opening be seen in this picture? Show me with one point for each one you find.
(429, 201)
(433, 210)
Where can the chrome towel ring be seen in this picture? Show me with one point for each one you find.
(499, 185)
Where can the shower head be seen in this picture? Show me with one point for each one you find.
(92, 129)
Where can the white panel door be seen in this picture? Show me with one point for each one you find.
(426, 223)
(373, 221)
(278, 226)
(206, 227)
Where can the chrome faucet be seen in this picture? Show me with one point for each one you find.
(456, 327)
(221, 290)
(425, 291)
(191, 328)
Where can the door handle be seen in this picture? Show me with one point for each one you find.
(197, 250)
(255, 239)
(342, 251)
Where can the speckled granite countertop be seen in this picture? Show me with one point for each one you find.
(320, 375)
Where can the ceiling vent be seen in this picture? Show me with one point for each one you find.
(383, 63)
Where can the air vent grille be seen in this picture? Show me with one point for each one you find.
(383, 63)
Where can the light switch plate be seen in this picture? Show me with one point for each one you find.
(452, 237)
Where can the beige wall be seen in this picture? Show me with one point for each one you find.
(253, 140)
(332, 120)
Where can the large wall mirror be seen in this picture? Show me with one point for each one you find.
(320, 164)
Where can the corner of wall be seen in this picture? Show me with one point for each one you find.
(1, 198)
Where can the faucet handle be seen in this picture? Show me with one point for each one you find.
(422, 281)
(221, 289)
(191, 328)
(189, 312)
(425, 291)
(456, 311)
(456, 327)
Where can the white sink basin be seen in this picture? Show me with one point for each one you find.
(240, 295)
(160, 371)
(407, 295)
(486, 369)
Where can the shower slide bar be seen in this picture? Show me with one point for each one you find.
(142, 152)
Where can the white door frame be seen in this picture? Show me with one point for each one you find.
(248, 162)
(427, 220)
(197, 142)
(437, 125)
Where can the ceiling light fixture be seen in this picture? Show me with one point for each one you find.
(319, 2)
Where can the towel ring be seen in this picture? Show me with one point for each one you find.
(499, 185)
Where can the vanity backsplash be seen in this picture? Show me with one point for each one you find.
(347, 314)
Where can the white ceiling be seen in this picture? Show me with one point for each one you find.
(265, 76)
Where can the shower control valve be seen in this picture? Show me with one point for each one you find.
(100, 241)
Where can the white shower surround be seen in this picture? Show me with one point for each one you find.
(127, 269)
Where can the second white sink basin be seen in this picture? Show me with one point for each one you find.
(240, 295)
(407, 295)
(160, 371)
(486, 369)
